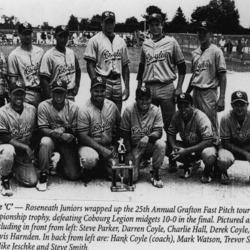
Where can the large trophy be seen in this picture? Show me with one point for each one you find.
(122, 168)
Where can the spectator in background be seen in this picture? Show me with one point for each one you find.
(239, 49)
(3, 80)
(38, 37)
(229, 47)
(43, 37)
(222, 43)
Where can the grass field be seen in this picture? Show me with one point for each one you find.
(134, 56)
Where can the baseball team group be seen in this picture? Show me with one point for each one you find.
(39, 118)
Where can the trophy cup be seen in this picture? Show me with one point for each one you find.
(122, 168)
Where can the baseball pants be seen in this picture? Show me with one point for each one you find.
(33, 97)
(114, 92)
(205, 100)
(25, 173)
(155, 150)
(163, 96)
(207, 155)
(69, 157)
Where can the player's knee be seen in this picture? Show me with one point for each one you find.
(225, 159)
(160, 145)
(8, 152)
(88, 157)
(46, 142)
(209, 156)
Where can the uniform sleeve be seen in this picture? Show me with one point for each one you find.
(125, 59)
(83, 121)
(173, 129)
(126, 120)
(13, 69)
(3, 124)
(91, 51)
(205, 128)
(178, 56)
(42, 116)
(158, 123)
(225, 133)
(220, 62)
(46, 65)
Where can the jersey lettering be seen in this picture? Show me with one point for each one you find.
(161, 56)
(112, 56)
(203, 66)
(136, 131)
(100, 128)
(21, 133)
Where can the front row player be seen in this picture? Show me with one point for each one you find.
(195, 130)
(234, 134)
(142, 127)
(17, 121)
(57, 121)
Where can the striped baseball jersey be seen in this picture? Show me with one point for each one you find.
(231, 130)
(206, 65)
(160, 59)
(57, 65)
(99, 124)
(26, 65)
(139, 125)
(109, 57)
(49, 117)
(197, 129)
(19, 126)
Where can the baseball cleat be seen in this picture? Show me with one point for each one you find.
(172, 168)
(6, 189)
(206, 179)
(42, 183)
(224, 179)
(155, 179)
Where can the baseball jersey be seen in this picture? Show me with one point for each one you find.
(206, 66)
(57, 65)
(49, 117)
(26, 65)
(160, 59)
(109, 57)
(197, 129)
(140, 125)
(99, 124)
(3, 74)
(19, 126)
(231, 130)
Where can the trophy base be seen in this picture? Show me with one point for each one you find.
(125, 188)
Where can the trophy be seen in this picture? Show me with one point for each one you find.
(122, 168)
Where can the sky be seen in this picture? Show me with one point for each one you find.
(57, 12)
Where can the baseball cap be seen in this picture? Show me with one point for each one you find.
(204, 25)
(62, 29)
(16, 86)
(239, 96)
(142, 91)
(59, 85)
(24, 26)
(155, 16)
(185, 97)
(98, 81)
(108, 15)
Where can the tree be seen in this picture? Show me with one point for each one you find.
(131, 21)
(222, 14)
(179, 18)
(73, 23)
(11, 22)
(154, 9)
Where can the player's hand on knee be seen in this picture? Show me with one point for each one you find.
(114, 153)
(29, 152)
(143, 142)
(67, 137)
(248, 157)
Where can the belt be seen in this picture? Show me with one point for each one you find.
(35, 89)
(112, 76)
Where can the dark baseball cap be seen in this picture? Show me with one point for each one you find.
(142, 91)
(17, 86)
(185, 97)
(205, 25)
(62, 29)
(239, 96)
(59, 85)
(24, 27)
(98, 81)
(108, 15)
(155, 16)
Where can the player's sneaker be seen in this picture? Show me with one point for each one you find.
(224, 178)
(54, 161)
(172, 168)
(205, 179)
(42, 183)
(155, 179)
(6, 189)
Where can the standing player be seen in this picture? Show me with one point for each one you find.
(209, 74)
(107, 56)
(159, 57)
(142, 125)
(196, 133)
(57, 120)
(17, 121)
(234, 134)
(24, 64)
(98, 122)
(60, 63)
(3, 80)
